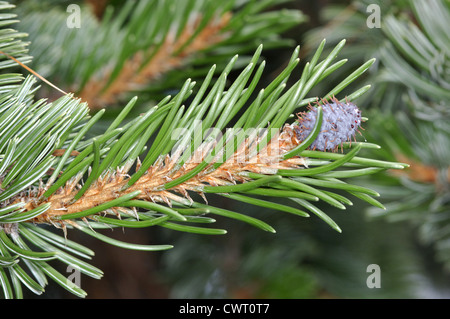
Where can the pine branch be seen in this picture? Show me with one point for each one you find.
(152, 185)
(136, 73)
(159, 176)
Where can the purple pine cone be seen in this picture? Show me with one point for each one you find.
(340, 123)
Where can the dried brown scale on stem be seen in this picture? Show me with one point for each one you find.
(137, 72)
(110, 186)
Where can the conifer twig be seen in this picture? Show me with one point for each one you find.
(150, 187)
(137, 72)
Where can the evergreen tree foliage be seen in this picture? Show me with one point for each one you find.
(149, 170)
